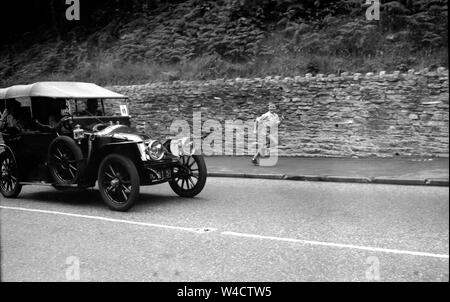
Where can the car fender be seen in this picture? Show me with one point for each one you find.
(121, 148)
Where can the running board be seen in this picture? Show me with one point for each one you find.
(47, 184)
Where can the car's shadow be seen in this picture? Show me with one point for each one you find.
(92, 198)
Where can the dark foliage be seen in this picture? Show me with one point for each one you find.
(228, 36)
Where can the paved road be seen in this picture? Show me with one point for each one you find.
(236, 230)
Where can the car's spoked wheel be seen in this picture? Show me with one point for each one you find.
(65, 161)
(189, 176)
(65, 164)
(118, 181)
(9, 184)
(187, 173)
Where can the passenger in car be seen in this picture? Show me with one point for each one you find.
(92, 108)
(9, 121)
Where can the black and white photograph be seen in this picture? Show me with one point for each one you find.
(219, 148)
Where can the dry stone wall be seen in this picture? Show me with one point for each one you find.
(349, 115)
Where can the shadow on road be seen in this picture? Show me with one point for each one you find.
(92, 198)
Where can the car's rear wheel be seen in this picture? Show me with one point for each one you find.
(9, 176)
(189, 176)
(118, 181)
(65, 161)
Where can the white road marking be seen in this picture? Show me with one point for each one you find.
(226, 233)
(338, 245)
(163, 226)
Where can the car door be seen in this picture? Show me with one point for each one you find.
(33, 148)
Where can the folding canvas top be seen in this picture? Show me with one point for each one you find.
(66, 90)
(2, 93)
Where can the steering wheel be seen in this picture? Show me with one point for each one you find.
(66, 122)
(98, 127)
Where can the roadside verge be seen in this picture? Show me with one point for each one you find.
(331, 178)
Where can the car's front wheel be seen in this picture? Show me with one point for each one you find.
(118, 181)
(9, 176)
(189, 176)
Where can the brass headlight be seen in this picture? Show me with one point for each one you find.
(78, 133)
(155, 150)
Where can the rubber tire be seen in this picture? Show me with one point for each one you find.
(78, 155)
(202, 171)
(134, 177)
(14, 193)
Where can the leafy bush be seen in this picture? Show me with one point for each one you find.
(192, 39)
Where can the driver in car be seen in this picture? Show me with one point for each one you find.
(53, 122)
(55, 119)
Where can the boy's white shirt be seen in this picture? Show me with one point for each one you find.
(269, 119)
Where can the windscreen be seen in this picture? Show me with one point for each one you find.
(97, 107)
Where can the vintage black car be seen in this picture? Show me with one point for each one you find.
(74, 135)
